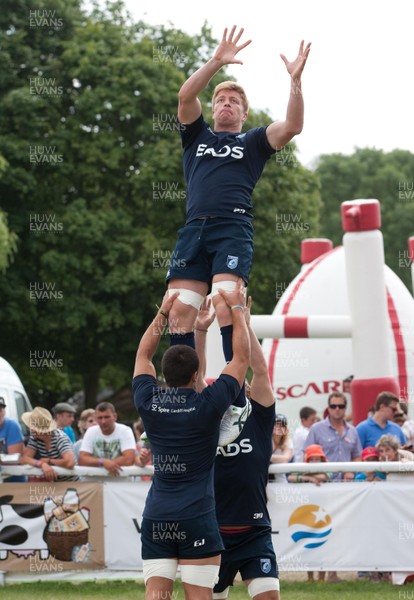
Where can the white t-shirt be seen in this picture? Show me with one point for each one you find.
(299, 439)
(108, 446)
(282, 477)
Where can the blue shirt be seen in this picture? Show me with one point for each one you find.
(369, 432)
(221, 169)
(337, 448)
(10, 434)
(242, 470)
(183, 428)
(363, 476)
(70, 433)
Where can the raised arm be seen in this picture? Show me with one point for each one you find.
(151, 338)
(189, 106)
(280, 133)
(260, 387)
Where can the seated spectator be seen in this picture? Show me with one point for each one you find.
(64, 415)
(86, 420)
(308, 417)
(389, 449)
(47, 446)
(282, 446)
(370, 454)
(108, 444)
(313, 453)
(11, 439)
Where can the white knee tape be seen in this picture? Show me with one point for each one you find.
(227, 286)
(160, 567)
(188, 297)
(202, 575)
(221, 595)
(263, 584)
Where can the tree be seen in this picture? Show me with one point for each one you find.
(369, 173)
(95, 191)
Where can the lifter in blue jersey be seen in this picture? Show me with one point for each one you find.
(221, 167)
(179, 523)
(241, 475)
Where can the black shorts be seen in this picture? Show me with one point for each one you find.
(191, 538)
(207, 247)
(251, 553)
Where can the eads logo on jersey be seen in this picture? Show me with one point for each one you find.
(233, 152)
(233, 449)
(310, 522)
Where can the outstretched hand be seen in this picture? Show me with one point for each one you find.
(204, 317)
(228, 48)
(168, 301)
(295, 67)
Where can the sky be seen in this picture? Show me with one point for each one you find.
(358, 82)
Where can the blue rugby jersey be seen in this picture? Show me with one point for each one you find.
(221, 170)
(183, 428)
(241, 472)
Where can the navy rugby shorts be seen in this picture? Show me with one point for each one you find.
(251, 553)
(207, 247)
(190, 538)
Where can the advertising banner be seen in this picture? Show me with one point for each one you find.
(51, 527)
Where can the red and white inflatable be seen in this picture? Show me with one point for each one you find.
(346, 313)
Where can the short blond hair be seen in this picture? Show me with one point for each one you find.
(234, 87)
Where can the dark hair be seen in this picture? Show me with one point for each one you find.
(385, 398)
(280, 418)
(179, 364)
(103, 406)
(336, 395)
(306, 412)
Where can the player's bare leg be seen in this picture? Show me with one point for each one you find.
(184, 311)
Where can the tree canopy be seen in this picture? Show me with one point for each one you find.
(369, 173)
(94, 194)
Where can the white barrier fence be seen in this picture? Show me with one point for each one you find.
(337, 526)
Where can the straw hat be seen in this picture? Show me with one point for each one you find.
(39, 420)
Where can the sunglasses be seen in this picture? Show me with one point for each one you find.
(399, 415)
(337, 406)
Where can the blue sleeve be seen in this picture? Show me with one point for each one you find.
(143, 388)
(222, 393)
(14, 433)
(190, 132)
(258, 139)
(265, 415)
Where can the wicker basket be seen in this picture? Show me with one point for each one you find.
(61, 543)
